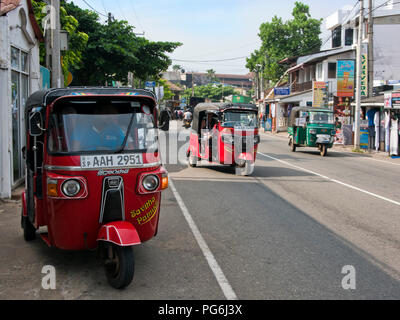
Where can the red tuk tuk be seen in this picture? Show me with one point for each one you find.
(225, 133)
(93, 173)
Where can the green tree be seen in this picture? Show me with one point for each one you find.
(113, 50)
(210, 91)
(71, 59)
(279, 40)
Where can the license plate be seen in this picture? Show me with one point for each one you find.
(323, 138)
(111, 161)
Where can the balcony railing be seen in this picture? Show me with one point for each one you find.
(300, 87)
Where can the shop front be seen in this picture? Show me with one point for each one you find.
(392, 123)
(20, 72)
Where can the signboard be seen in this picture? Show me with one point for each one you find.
(320, 94)
(388, 100)
(150, 84)
(364, 76)
(396, 100)
(364, 138)
(45, 78)
(282, 91)
(345, 78)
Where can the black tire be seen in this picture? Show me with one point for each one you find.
(292, 146)
(246, 171)
(192, 161)
(324, 150)
(120, 268)
(29, 229)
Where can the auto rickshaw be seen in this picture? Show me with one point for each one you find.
(94, 176)
(311, 127)
(226, 134)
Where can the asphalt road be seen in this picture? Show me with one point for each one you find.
(286, 232)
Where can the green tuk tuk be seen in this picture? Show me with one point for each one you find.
(311, 127)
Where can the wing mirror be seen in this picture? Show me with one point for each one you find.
(36, 124)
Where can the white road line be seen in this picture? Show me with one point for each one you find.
(333, 180)
(212, 262)
(337, 150)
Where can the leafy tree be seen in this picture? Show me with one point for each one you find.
(113, 50)
(210, 91)
(296, 37)
(211, 75)
(72, 58)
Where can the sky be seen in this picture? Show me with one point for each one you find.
(208, 29)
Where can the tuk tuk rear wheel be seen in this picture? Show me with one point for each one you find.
(119, 265)
(29, 229)
(247, 170)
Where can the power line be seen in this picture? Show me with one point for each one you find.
(195, 61)
(94, 9)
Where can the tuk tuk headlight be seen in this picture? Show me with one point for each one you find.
(333, 132)
(71, 188)
(151, 182)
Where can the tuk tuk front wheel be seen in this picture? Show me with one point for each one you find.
(28, 228)
(292, 145)
(119, 265)
(192, 160)
(324, 150)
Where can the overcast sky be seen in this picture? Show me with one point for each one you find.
(208, 29)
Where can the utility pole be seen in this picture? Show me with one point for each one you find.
(370, 50)
(358, 91)
(56, 73)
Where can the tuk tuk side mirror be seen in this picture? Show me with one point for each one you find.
(35, 124)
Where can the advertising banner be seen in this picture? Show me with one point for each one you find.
(345, 78)
(396, 100)
(364, 75)
(282, 91)
(320, 94)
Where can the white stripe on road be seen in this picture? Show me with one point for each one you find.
(219, 275)
(333, 180)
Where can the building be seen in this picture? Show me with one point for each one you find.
(341, 34)
(239, 81)
(20, 72)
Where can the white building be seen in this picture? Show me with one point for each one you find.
(339, 43)
(19, 77)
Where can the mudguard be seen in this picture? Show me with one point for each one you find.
(24, 207)
(246, 156)
(120, 233)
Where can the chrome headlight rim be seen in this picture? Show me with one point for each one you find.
(147, 184)
(64, 188)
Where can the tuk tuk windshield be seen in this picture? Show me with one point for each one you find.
(232, 119)
(78, 128)
(321, 117)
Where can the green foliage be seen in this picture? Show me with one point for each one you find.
(168, 94)
(71, 59)
(210, 91)
(113, 50)
(296, 37)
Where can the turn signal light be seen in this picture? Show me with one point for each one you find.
(164, 182)
(52, 188)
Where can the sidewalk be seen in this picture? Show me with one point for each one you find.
(342, 148)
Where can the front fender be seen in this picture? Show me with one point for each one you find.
(24, 207)
(246, 157)
(121, 233)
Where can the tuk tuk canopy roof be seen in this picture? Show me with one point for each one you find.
(43, 98)
(296, 110)
(218, 107)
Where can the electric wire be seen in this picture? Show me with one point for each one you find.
(94, 9)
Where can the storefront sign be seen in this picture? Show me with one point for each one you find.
(345, 78)
(364, 75)
(388, 100)
(320, 94)
(396, 100)
(282, 91)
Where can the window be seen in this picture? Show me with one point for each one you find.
(319, 71)
(19, 95)
(337, 37)
(349, 36)
(332, 70)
